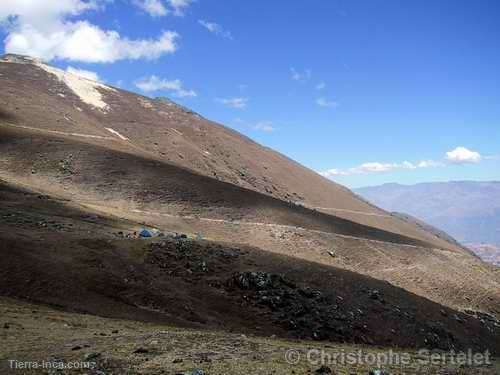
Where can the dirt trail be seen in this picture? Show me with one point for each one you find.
(249, 223)
(58, 132)
(350, 211)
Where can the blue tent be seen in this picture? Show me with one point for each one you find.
(145, 233)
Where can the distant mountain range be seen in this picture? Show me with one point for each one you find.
(469, 211)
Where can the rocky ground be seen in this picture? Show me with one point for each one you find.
(38, 333)
(58, 253)
(93, 289)
(112, 181)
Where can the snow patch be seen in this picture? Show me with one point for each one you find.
(86, 89)
(117, 134)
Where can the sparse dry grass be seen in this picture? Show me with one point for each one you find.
(38, 333)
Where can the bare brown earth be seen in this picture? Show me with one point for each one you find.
(39, 333)
(59, 145)
(57, 253)
(160, 130)
(176, 199)
(428, 228)
(332, 268)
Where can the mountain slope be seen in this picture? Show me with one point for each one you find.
(61, 253)
(153, 162)
(427, 227)
(38, 96)
(91, 173)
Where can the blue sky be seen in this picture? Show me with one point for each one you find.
(366, 92)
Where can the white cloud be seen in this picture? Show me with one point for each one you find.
(239, 103)
(492, 157)
(373, 167)
(322, 102)
(43, 29)
(320, 86)
(179, 6)
(216, 29)
(42, 14)
(301, 77)
(154, 83)
(462, 155)
(459, 155)
(82, 41)
(376, 167)
(154, 8)
(429, 164)
(265, 126)
(83, 73)
(333, 172)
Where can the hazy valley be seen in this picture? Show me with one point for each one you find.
(468, 211)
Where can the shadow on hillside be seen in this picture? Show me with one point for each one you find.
(110, 175)
(7, 116)
(191, 283)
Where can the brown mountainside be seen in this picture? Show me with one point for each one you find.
(154, 162)
(33, 96)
